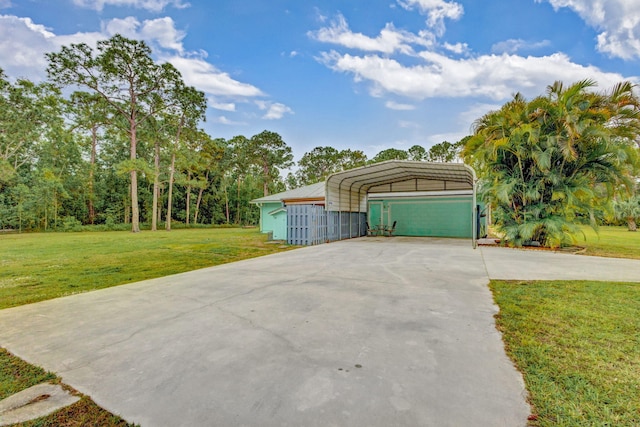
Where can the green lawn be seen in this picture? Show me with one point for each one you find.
(17, 375)
(611, 242)
(40, 266)
(578, 347)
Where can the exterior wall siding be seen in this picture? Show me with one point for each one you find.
(277, 224)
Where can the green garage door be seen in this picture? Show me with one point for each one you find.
(434, 216)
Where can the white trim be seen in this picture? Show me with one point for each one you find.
(420, 194)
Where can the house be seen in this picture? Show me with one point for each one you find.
(422, 198)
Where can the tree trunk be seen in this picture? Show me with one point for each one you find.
(156, 187)
(265, 187)
(226, 203)
(55, 210)
(167, 223)
(188, 201)
(94, 143)
(159, 205)
(631, 224)
(135, 210)
(127, 208)
(199, 199)
(172, 174)
(238, 203)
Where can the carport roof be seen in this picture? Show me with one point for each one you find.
(353, 184)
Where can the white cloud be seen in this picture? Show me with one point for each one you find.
(515, 45)
(22, 47)
(205, 76)
(388, 41)
(164, 32)
(223, 106)
(618, 21)
(488, 76)
(459, 48)
(392, 105)
(436, 11)
(405, 124)
(274, 110)
(160, 32)
(225, 121)
(150, 5)
(5, 4)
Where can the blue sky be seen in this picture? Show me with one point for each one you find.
(359, 74)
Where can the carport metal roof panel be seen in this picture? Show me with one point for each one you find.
(347, 191)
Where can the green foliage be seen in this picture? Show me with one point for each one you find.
(628, 209)
(319, 163)
(390, 154)
(70, 223)
(268, 151)
(109, 156)
(417, 153)
(547, 163)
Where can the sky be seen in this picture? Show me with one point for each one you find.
(358, 74)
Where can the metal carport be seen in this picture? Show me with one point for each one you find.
(348, 191)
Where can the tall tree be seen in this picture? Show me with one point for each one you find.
(548, 161)
(350, 159)
(27, 113)
(443, 152)
(237, 160)
(210, 154)
(390, 154)
(123, 73)
(417, 153)
(317, 164)
(269, 151)
(189, 105)
(90, 113)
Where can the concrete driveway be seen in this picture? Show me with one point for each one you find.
(365, 332)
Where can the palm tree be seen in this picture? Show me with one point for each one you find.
(549, 161)
(629, 210)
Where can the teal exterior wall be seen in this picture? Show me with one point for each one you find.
(441, 216)
(276, 223)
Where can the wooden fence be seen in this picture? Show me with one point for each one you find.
(312, 225)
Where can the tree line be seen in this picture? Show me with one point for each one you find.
(113, 137)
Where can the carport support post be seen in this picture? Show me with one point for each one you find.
(474, 219)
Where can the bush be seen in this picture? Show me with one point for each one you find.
(71, 223)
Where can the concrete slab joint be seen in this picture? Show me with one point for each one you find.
(34, 402)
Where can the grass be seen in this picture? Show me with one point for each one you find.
(41, 266)
(17, 375)
(611, 242)
(578, 347)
